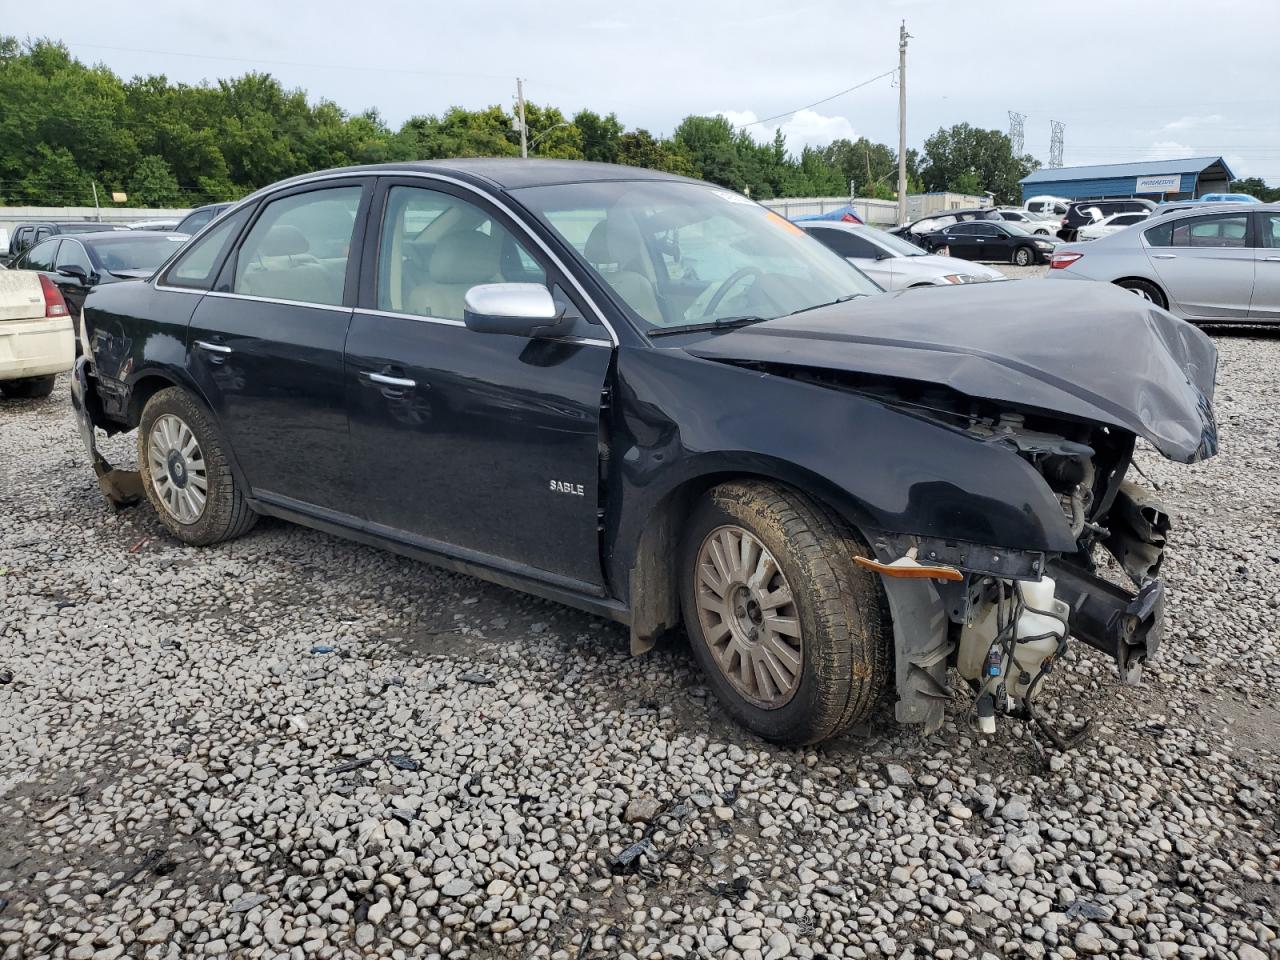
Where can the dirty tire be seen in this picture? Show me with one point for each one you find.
(1024, 256)
(846, 632)
(1146, 290)
(31, 388)
(226, 515)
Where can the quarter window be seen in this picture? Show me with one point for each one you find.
(298, 248)
(435, 247)
(199, 262)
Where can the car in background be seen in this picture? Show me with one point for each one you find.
(1047, 205)
(36, 340)
(915, 230)
(892, 262)
(1030, 222)
(1090, 211)
(1205, 265)
(1109, 225)
(78, 263)
(990, 240)
(197, 219)
(163, 226)
(28, 234)
(1228, 198)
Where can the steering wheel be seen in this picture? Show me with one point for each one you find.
(729, 283)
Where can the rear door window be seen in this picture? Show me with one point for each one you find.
(42, 256)
(846, 244)
(1223, 230)
(299, 246)
(1269, 230)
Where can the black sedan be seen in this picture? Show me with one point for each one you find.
(80, 262)
(654, 399)
(990, 240)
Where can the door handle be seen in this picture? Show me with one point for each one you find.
(1272, 259)
(402, 383)
(1165, 256)
(212, 347)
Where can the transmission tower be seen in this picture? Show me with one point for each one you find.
(1015, 131)
(1055, 142)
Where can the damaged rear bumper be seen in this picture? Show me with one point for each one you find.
(123, 488)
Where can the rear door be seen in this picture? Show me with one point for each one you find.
(1205, 263)
(1266, 284)
(960, 240)
(266, 345)
(472, 444)
(989, 242)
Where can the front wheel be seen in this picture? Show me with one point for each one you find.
(791, 634)
(186, 473)
(30, 388)
(1024, 256)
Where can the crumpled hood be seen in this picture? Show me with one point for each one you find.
(1095, 353)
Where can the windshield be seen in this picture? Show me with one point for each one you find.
(680, 254)
(136, 252)
(900, 247)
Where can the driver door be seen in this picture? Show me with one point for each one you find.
(480, 446)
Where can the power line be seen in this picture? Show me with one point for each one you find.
(810, 106)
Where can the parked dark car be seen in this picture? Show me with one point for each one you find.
(653, 399)
(990, 240)
(79, 262)
(1087, 211)
(27, 235)
(200, 217)
(914, 232)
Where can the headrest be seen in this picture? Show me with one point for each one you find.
(464, 258)
(611, 242)
(284, 240)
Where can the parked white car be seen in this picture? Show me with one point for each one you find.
(1030, 222)
(1048, 205)
(36, 338)
(1207, 265)
(1109, 225)
(892, 262)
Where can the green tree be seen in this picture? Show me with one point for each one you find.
(600, 136)
(153, 184)
(1256, 187)
(968, 159)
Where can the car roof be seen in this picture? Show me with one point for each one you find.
(124, 236)
(1214, 207)
(506, 173)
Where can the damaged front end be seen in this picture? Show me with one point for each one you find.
(1003, 617)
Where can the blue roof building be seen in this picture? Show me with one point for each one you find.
(1155, 179)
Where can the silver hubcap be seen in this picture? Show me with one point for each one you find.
(177, 468)
(749, 617)
(1138, 291)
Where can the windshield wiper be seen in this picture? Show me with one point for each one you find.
(818, 306)
(720, 323)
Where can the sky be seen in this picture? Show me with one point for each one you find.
(1130, 80)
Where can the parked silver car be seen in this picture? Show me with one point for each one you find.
(892, 262)
(1204, 264)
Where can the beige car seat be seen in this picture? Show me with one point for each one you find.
(284, 270)
(458, 262)
(618, 245)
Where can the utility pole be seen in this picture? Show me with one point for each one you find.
(97, 212)
(524, 132)
(902, 122)
(1055, 142)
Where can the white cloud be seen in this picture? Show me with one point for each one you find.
(1168, 150)
(804, 128)
(1186, 123)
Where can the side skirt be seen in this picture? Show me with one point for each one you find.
(572, 593)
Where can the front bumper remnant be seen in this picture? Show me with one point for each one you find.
(122, 488)
(1109, 618)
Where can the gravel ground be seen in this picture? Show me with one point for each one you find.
(294, 746)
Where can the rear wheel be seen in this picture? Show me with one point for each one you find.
(31, 388)
(791, 634)
(1024, 256)
(1144, 289)
(186, 473)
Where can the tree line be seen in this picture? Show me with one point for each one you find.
(67, 127)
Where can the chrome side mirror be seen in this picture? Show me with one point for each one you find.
(516, 309)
